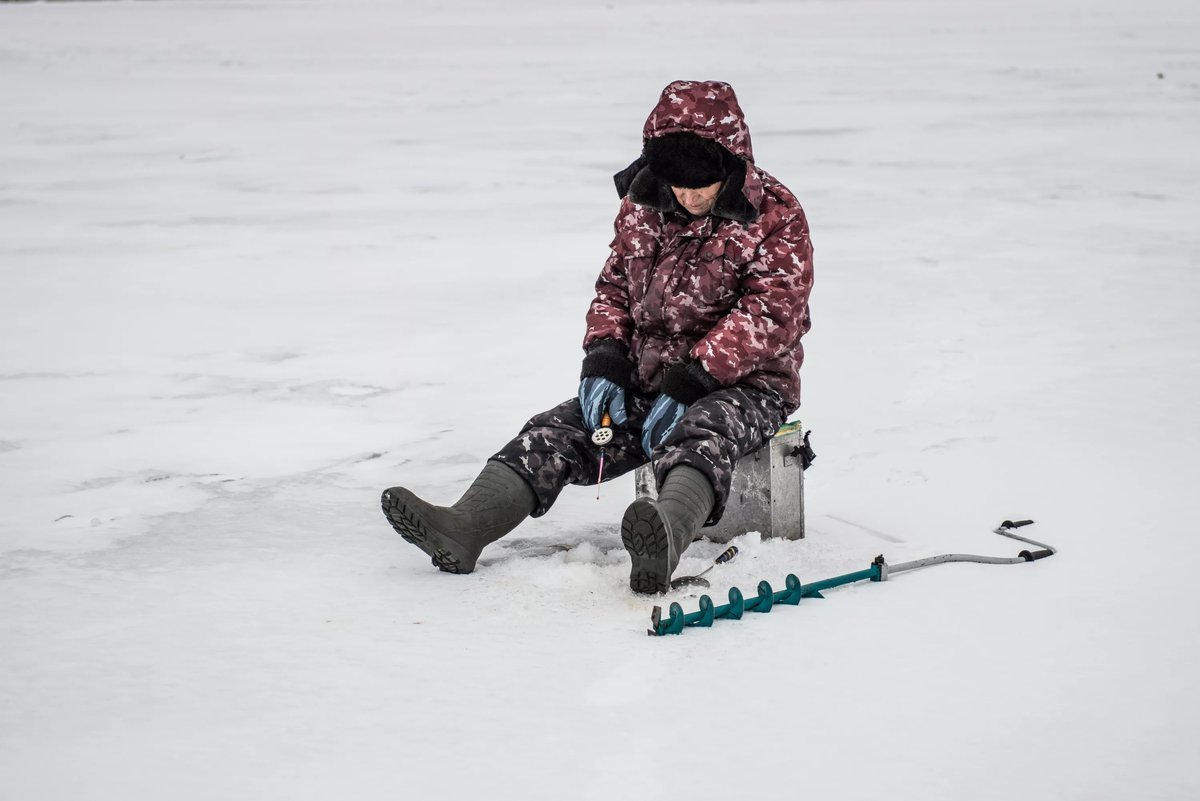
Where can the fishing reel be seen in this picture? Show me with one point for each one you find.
(604, 434)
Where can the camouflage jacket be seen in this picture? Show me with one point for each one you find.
(727, 292)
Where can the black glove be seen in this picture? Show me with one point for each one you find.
(609, 359)
(688, 382)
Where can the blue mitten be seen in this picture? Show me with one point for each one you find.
(598, 395)
(683, 384)
(607, 373)
(664, 415)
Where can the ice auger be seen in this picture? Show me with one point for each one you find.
(879, 570)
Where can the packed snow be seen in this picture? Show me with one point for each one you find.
(262, 260)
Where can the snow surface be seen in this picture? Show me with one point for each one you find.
(261, 260)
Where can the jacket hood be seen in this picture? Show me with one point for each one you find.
(709, 109)
(706, 108)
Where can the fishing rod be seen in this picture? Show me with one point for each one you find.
(727, 555)
(601, 437)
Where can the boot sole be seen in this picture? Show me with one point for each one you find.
(407, 522)
(645, 535)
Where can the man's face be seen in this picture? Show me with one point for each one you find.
(699, 201)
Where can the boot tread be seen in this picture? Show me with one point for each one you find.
(412, 529)
(646, 536)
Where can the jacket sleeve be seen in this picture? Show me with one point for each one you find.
(608, 316)
(772, 313)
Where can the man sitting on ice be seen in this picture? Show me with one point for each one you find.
(692, 348)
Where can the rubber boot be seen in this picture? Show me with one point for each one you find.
(454, 536)
(657, 532)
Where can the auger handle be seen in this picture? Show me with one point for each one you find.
(1006, 530)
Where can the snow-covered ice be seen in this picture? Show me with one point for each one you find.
(260, 260)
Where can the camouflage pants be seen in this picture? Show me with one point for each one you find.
(555, 449)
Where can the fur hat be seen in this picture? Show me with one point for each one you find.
(688, 160)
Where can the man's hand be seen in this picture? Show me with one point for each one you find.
(683, 384)
(598, 395)
(664, 415)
